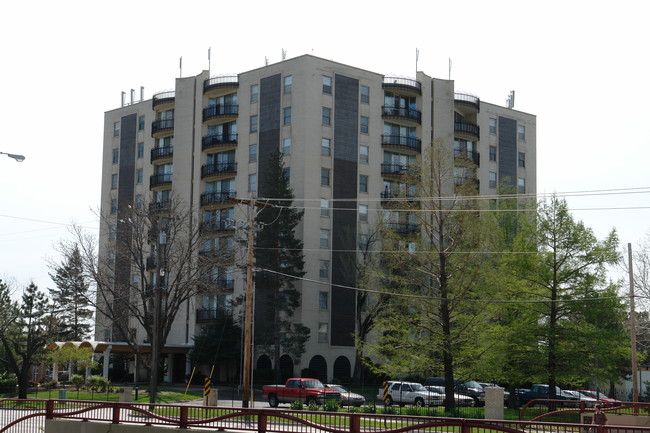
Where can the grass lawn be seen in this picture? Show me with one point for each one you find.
(165, 395)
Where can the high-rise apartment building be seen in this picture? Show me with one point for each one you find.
(346, 135)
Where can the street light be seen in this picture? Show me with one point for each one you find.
(19, 158)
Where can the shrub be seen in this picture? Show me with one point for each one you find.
(313, 406)
(77, 380)
(296, 405)
(370, 408)
(98, 383)
(332, 405)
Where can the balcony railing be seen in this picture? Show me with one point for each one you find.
(467, 99)
(204, 315)
(161, 125)
(162, 152)
(469, 154)
(218, 168)
(394, 169)
(216, 140)
(160, 179)
(468, 128)
(163, 98)
(403, 228)
(403, 83)
(216, 197)
(159, 206)
(405, 113)
(220, 282)
(226, 81)
(402, 141)
(218, 225)
(215, 111)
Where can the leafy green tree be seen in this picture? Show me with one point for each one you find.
(569, 326)
(79, 358)
(25, 329)
(71, 298)
(218, 344)
(279, 260)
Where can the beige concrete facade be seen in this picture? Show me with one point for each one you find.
(439, 109)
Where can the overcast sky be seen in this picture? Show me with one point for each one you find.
(581, 66)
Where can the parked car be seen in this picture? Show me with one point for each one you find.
(347, 398)
(600, 396)
(299, 389)
(402, 393)
(506, 394)
(470, 388)
(589, 401)
(460, 399)
(540, 391)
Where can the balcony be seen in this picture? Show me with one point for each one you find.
(408, 116)
(467, 130)
(218, 226)
(162, 153)
(466, 103)
(215, 114)
(207, 315)
(404, 86)
(163, 101)
(217, 86)
(403, 228)
(219, 140)
(469, 185)
(162, 127)
(220, 282)
(216, 198)
(157, 180)
(470, 155)
(394, 198)
(402, 142)
(159, 206)
(218, 169)
(389, 169)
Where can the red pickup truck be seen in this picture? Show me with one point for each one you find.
(303, 389)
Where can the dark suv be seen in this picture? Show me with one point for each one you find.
(470, 388)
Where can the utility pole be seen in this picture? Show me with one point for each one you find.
(635, 379)
(158, 287)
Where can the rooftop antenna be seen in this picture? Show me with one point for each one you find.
(266, 61)
(209, 48)
(510, 102)
(123, 97)
(284, 54)
(180, 66)
(417, 57)
(141, 93)
(132, 96)
(450, 68)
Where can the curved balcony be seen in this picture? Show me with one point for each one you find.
(157, 180)
(471, 155)
(467, 130)
(402, 142)
(159, 206)
(217, 86)
(216, 198)
(218, 169)
(163, 100)
(218, 225)
(388, 169)
(466, 103)
(408, 115)
(214, 113)
(394, 198)
(219, 140)
(403, 228)
(469, 183)
(161, 153)
(162, 127)
(404, 86)
(207, 315)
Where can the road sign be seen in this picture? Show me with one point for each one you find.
(385, 392)
(207, 386)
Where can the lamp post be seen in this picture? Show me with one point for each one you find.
(19, 158)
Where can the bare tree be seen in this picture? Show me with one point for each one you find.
(148, 264)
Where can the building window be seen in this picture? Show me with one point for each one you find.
(363, 242)
(363, 183)
(363, 125)
(365, 94)
(521, 185)
(363, 213)
(138, 176)
(326, 147)
(252, 182)
(324, 207)
(286, 146)
(286, 116)
(116, 129)
(324, 271)
(493, 180)
(325, 176)
(323, 300)
(322, 332)
(116, 156)
(286, 174)
(141, 123)
(253, 124)
(493, 153)
(327, 85)
(113, 181)
(112, 232)
(255, 92)
(327, 116)
(324, 238)
(493, 125)
(521, 132)
(521, 159)
(252, 153)
(363, 154)
(113, 206)
(138, 201)
(139, 152)
(288, 83)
